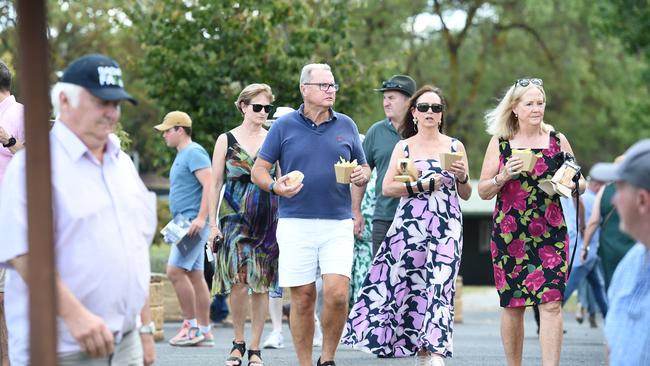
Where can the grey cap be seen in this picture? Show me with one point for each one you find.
(634, 169)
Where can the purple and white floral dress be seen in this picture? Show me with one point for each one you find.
(407, 299)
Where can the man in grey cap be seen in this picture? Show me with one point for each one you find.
(628, 318)
(378, 147)
(104, 221)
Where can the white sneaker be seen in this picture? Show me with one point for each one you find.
(318, 334)
(274, 340)
(436, 360)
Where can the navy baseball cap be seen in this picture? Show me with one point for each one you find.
(634, 169)
(98, 74)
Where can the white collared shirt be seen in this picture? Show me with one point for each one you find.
(104, 221)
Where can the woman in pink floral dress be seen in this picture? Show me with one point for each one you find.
(529, 241)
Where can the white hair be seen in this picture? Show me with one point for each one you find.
(305, 74)
(71, 91)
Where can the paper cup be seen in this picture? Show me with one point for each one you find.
(403, 178)
(343, 173)
(407, 168)
(547, 187)
(447, 159)
(528, 157)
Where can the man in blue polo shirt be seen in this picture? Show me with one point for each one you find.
(378, 147)
(315, 216)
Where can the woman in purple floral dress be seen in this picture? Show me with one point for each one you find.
(406, 304)
(529, 241)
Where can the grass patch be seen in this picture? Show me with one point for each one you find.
(158, 254)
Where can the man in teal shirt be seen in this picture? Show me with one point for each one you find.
(378, 146)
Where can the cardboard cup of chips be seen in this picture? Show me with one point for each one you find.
(448, 158)
(295, 178)
(343, 169)
(407, 169)
(527, 156)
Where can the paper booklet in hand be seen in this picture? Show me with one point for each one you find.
(175, 233)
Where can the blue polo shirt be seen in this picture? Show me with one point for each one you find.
(299, 144)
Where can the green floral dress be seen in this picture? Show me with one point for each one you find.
(529, 244)
(248, 219)
(363, 246)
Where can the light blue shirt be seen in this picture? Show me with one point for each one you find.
(185, 190)
(627, 326)
(588, 199)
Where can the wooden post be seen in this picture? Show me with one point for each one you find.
(33, 52)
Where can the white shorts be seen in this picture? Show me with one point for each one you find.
(309, 244)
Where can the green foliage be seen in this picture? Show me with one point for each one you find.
(198, 56)
(164, 216)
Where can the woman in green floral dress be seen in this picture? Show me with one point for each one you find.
(363, 244)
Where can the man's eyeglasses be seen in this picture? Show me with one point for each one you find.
(526, 82)
(259, 107)
(324, 86)
(435, 108)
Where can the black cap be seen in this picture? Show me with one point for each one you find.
(98, 74)
(400, 83)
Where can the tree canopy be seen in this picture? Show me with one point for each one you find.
(197, 55)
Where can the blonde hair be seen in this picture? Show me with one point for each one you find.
(501, 121)
(250, 92)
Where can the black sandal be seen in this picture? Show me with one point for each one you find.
(257, 353)
(326, 363)
(241, 347)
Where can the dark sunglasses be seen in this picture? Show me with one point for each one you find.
(258, 107)
(435, 108)
(526, 82)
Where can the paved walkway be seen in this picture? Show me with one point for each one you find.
(476, 342)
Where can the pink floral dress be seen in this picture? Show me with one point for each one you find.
(529, 244)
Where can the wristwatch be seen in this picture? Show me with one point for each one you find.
(11, 142)
(148, 328)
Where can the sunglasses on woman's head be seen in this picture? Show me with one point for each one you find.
(526, 82)
(435, 108)
(258, 107)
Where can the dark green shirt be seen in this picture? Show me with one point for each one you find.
(378, 146)
(614, 244)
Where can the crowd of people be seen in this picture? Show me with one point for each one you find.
(369, 258)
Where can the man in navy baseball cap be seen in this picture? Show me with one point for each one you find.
(100, 75)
